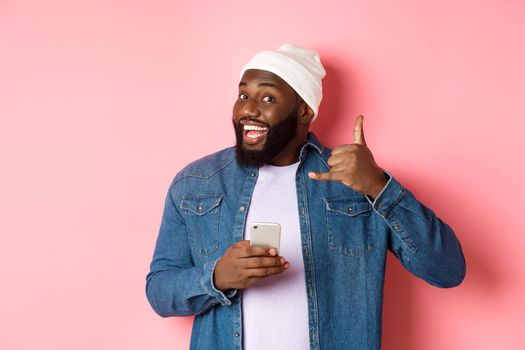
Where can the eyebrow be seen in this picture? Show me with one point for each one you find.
(264, 83)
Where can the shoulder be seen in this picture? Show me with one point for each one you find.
(209, 165)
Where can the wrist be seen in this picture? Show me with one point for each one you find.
(217, 281)
(378, 186)
(219, 285)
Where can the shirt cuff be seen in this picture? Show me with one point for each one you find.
(389, 196)
(209, 287)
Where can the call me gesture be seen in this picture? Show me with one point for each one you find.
(354, 165)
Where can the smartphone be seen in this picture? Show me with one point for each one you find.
(265, 234)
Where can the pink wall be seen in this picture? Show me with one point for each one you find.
(103, 101)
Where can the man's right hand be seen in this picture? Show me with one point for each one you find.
(242, 265)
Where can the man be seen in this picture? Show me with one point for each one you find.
(339, 213)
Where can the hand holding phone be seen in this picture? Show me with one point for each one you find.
(246, 262)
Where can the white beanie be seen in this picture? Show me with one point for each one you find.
(300, 68)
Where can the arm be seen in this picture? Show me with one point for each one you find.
(424, 244)
(174, 285)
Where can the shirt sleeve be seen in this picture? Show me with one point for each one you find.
(425, 245)
(174, 285)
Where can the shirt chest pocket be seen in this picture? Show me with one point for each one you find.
(202, 213)
(347, 225)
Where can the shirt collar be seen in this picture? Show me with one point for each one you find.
(312, 141)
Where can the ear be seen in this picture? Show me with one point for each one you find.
(306, 113)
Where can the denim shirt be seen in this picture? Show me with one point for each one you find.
(345, 237)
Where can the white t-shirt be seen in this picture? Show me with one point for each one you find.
(275, 309)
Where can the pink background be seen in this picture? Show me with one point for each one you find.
(103, 101)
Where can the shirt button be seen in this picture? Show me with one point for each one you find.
(236, 334)
(199, 208)
(396, 227)
(252, 174)
(350, 209)
(241, 208)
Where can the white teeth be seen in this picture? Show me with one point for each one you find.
(254, 127)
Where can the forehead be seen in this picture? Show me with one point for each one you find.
(259, 77)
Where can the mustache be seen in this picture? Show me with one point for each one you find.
(253, 120)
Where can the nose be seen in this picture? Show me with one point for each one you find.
(249, 109)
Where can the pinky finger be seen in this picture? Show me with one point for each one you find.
(331, 176)
(320, 176)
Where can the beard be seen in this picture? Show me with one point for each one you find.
(277, 137)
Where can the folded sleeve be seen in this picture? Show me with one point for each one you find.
(175, 286)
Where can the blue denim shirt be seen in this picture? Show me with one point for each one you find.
(345, 237)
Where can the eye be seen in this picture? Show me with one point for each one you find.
(268, 99)
(243, 97)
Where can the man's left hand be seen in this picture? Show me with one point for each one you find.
(354, 165)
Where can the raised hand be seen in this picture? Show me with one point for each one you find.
(354, 165)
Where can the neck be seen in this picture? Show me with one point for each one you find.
(290, 153)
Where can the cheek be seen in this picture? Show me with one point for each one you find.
(235, 111)
(276, 114)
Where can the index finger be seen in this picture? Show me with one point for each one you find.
(250, 251)
(242, 243)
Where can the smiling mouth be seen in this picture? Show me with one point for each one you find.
(254, 134)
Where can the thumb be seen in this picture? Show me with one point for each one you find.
(359, 134)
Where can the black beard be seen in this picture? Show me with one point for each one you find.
(277, 138)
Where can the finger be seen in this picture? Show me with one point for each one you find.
(331, 176)
(342, 149)
(267, 271)
(242, 243)
(251, 251)
(345, 149)
(258, 262)
(359, 134)
(319, 176)
(337, 159)
(338, 170)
